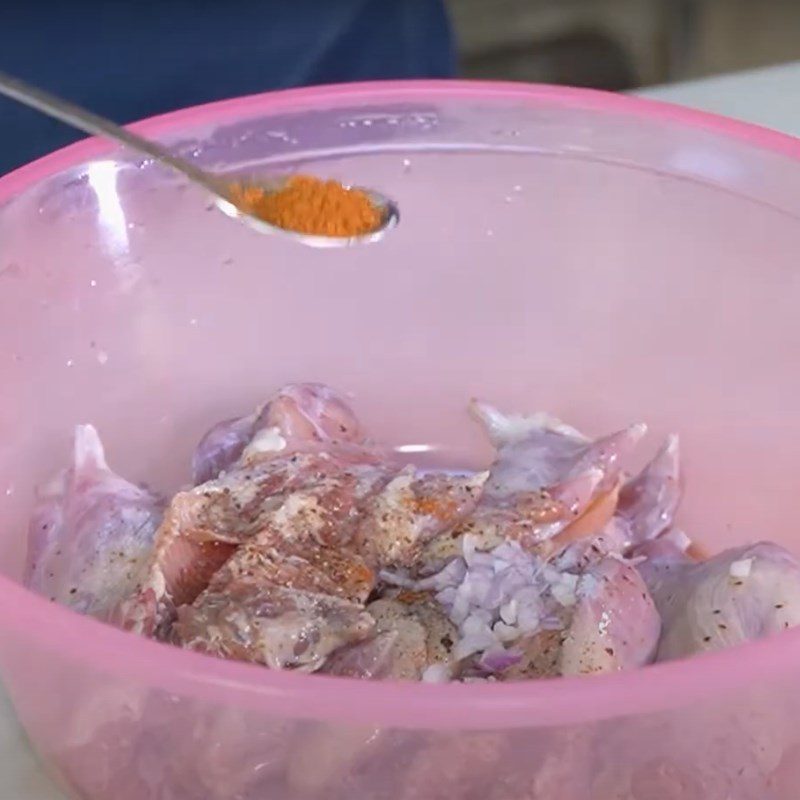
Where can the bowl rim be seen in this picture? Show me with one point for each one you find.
(37, 622)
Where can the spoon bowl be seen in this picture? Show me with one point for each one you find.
(389, 212)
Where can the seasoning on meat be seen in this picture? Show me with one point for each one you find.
(302, 545)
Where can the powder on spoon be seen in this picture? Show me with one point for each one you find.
(309, 205)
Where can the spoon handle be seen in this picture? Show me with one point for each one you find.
(90, 123)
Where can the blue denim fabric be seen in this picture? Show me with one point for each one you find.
(133, 58)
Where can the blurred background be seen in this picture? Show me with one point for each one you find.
(130, 59)
(622, 44)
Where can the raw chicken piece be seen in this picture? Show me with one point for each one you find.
(738, 595)
(649, 502)
(412, 510)
(545, 477)
(293, 593)
(91, 532)
(313, 412)
(273, 561)
(494, 598)
(659, 557)
(304, 496)
(518, 615)
(613, 625)
(372, 659)
(303, 452)
(297, 414)
(597, 516)
(282, 628)
(413, 640)
(222, 446)
(508, 594)
(280, 601)
(517, 572)
(548, 487)
(577, 556)
(424, 636)
(539, 451)
(311, 503)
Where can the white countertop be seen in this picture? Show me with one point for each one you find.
(766, 97)
(21, 778)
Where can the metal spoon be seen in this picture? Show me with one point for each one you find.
(91, 123)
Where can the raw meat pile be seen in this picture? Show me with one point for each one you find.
(302, 545)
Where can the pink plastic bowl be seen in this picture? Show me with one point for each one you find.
(604, 258)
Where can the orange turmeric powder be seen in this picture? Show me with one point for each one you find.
(306, 204)
(434, 506)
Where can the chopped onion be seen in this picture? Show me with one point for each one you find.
(496, 597)
(741, 569)
(498, 660)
